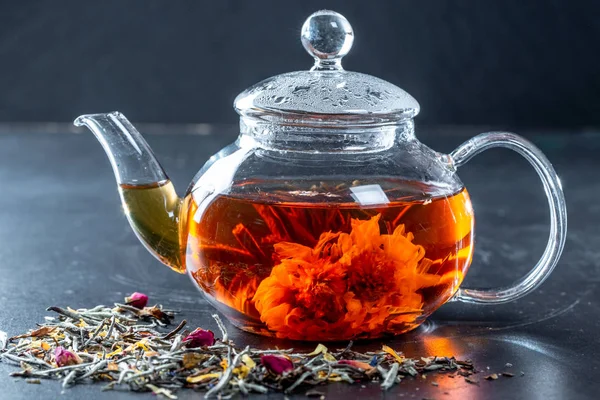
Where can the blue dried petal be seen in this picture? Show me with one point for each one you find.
(373, 362)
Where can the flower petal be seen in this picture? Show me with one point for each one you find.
(199, 338)
(276, 364)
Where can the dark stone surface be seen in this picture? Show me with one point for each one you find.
(65, 241)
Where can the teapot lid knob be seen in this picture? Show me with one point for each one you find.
(327, 36)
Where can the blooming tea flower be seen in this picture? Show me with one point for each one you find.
(346, 285)
(199, 338)
(137, 300)
(64, 357)
(276, 364)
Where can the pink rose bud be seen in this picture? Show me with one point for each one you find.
(276, 364)
(64, 357)
(199, 337)
(137, 300)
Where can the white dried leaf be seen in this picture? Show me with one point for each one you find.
(3, 340)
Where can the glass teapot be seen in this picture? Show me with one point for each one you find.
(326, 219)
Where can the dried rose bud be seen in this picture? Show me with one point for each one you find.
(357, 364)
(276, 364)
(199, 337)
(137, 300)
(64, 357)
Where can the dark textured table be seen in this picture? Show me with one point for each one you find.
(65, 241)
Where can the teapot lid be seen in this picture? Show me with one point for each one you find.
(327, 94)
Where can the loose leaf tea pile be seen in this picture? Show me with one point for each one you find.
(129, 346)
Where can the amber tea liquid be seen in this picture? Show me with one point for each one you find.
(314, 263)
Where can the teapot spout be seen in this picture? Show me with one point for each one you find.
(149, 198)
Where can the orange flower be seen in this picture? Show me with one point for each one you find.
(347, 286)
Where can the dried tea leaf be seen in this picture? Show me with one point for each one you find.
(508, 374)
(33, 381)
(161, 391)
(43, 331)
(472, 381)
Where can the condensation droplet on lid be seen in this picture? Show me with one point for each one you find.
(300, 89)
(377, 95)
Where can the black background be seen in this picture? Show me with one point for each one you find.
(498, 63)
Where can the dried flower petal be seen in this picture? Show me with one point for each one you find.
(321, 348)
(393, 353)
(199, 337)
(191, 360)
(357, 364)
(64, 357)
(276, 364)
(137, 300)
(155, 312)
(248, 362)
(203, 377)
(111, 366)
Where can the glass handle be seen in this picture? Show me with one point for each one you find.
(558, 215)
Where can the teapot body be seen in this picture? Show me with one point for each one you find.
(327, 219)
(323, 244)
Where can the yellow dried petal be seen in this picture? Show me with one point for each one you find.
(329, 357)
(46, 346)
(241, 371)
(119, 350)
(318, 350)
(142, 344)
(223, 363)
(203, 377)
(393, 353)
(190, 360)
(111, 366)
(248, 362)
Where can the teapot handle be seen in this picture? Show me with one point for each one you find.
(558, 215)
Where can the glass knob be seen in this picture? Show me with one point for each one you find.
(327, 36)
